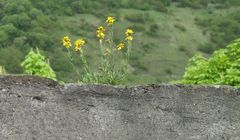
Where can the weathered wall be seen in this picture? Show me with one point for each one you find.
(39, 109)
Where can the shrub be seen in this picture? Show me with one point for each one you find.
(10, 58)
(139, 18)
(168, 71)
(180, 27)
(222, 28)
(223, 68)
(138, 28)
(184, 49)
(206, 48)
(36, 64)
(154, 27)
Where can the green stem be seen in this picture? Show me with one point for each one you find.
(102, 52)
(128, 49)
(71, 61)
(101, 47)
(85, 64)
(109, 61)
(111, 41)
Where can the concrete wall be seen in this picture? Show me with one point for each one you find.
(33, 108)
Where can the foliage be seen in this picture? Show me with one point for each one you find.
(223, 28)
(36, 64)
(207, 48)
(180, 27)
(205, 3)
(13, 57)
(223, 68)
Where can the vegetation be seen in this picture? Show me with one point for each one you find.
(168, 33)
(223, 68)
(111, 69)
(222, 28)
(36, 64)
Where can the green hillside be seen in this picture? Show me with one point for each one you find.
(168, 33)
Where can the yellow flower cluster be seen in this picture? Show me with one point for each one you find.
(128, 37)
(129, 34)
(79, 44)
(66, 42)
(100, 33)
(110, 21)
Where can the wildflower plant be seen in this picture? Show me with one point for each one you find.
(114, 58)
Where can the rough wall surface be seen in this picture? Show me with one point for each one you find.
(33, 108)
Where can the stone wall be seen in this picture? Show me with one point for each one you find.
(33, 108)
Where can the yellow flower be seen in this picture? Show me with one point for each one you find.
(100, 32)
(129, 38)
(100, 35)
(129, 32)
(110, 21)
(66, 42)
(120, 46)
(79, 44)
(101, 29)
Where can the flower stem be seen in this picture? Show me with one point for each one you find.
(85, 64)
(128, 49)
(71, 62)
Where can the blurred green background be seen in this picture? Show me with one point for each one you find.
(168, 32)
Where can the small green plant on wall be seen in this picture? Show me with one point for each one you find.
(36, 64)
(114, 58)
